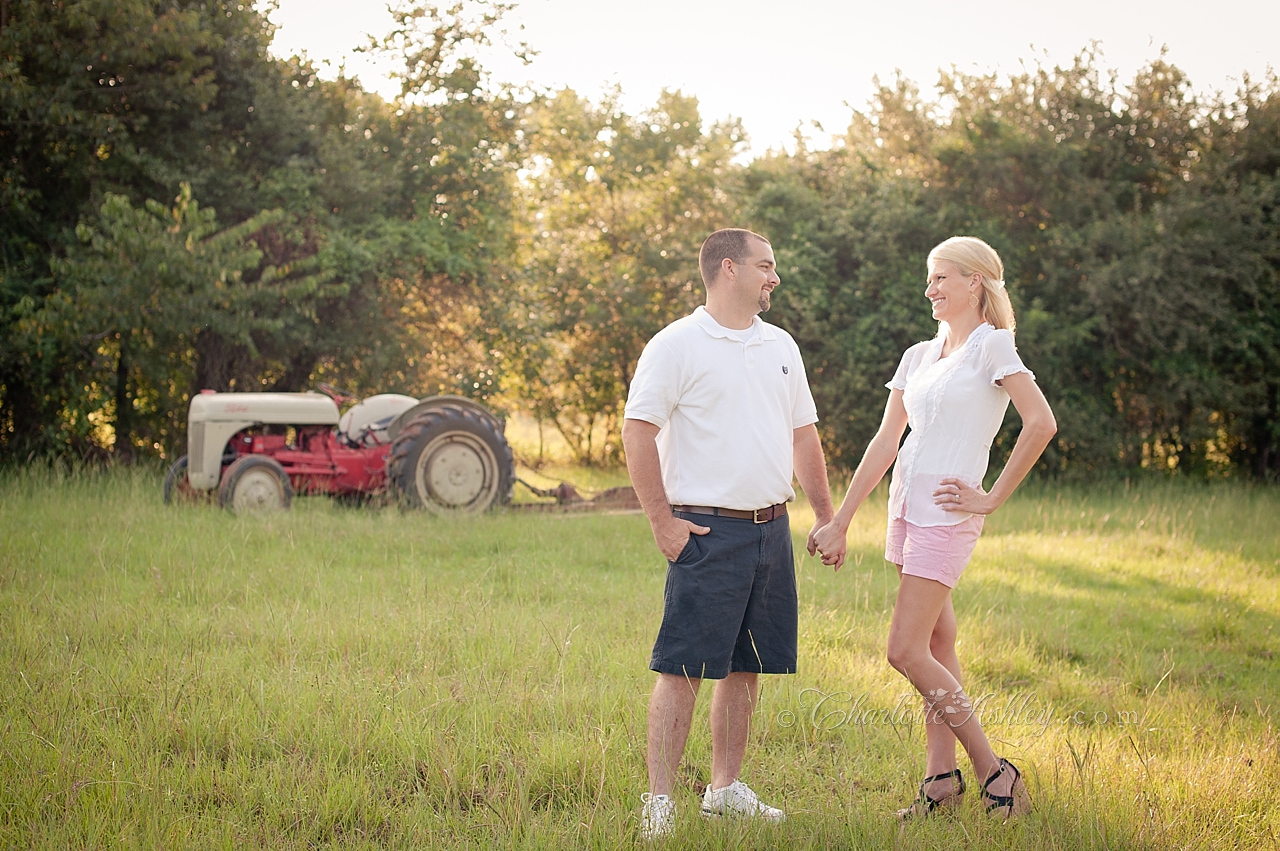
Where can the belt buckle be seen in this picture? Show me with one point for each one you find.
(755, 515)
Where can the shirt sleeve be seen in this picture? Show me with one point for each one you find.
(655, 388)
(899, 380)
(803, 410)
(1000, 356)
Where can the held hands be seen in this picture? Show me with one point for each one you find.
(829, 540)
(955, 495)
(671, 537)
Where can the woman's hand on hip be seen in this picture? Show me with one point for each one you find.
(955, 495)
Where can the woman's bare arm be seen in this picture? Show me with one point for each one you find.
(1038, 428)
(876, 461)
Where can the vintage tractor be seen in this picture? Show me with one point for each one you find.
(446, 454)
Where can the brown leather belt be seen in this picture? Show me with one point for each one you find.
(760, 515)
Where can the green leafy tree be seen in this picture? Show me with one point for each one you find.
(616, 207)
(1138, 237)
(398, 213)
(135, 294)
(440, 239)
(97, 97)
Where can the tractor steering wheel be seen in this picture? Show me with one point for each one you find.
(339, 397)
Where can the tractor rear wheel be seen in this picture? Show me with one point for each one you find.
(450, 460)
(255, 483)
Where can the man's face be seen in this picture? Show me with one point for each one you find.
(755, 277)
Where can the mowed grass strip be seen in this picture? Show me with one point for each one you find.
(337, 677)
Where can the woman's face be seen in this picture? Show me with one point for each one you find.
(948, 291)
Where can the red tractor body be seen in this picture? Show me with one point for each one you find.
(443, 453)
(319, 464)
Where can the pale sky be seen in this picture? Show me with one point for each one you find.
(782, 65)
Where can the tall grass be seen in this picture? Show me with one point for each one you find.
(336, 677)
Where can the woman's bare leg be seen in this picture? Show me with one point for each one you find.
(919, 608)
(941, 741)
(940, 747)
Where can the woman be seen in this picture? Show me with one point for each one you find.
(953, 391)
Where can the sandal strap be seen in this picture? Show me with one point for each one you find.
(923, 800)
(930, 804)
(1004, 763)
(953, 773)
(994, 801)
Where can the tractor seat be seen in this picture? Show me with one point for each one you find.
(364, 425)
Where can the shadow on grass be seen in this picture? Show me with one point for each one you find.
(1218, 642)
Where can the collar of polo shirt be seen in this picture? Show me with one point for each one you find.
(764, 331)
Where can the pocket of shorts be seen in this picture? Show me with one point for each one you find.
(690, 551)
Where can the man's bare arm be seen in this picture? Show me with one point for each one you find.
(811, 471)
(671, 533)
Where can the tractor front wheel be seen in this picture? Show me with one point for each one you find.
(450, 460)
(178, 490)
(255, 483)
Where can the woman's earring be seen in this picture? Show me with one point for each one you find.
(973, 299)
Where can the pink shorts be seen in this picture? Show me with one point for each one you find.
(940, 553)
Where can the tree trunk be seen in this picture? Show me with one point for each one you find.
(219, 363)
(297, 373)
(20, 410)
(123, 447)
(1262, 442)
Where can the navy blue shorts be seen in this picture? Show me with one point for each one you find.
(730, 602)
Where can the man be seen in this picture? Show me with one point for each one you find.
(718, 418)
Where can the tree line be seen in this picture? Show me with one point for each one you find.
(180, 210)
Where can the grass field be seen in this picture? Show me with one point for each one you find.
(337, 677)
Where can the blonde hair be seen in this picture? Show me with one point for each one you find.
(972, 255)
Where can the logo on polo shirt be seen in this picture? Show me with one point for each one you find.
(784, 369)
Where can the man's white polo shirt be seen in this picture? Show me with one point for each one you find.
(726, 410)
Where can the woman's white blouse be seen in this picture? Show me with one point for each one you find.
(954, 408)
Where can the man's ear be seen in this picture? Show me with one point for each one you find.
(726, 269)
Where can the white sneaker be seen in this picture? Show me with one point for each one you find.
(738, 800)
(657, 816)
